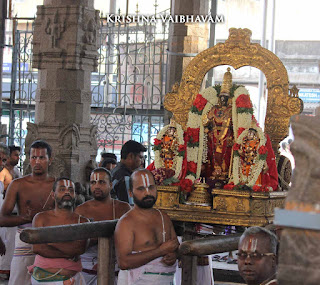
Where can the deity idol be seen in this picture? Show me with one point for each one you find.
(218, 128)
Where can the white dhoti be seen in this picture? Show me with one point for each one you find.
(22, 258)
(204, 273)
(8, 237)
(154, 272)
(89, 259)
(77, 279)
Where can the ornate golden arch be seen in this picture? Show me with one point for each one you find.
(238, 51)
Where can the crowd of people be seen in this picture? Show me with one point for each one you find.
(145, 240)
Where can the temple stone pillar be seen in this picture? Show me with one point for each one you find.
(185, 39)
(65, 52)
(299, 260)
(3, 13)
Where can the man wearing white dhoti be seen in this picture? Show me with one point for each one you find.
(32, 194)
(145, 239)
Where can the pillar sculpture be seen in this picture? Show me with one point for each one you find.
(299, 260)
(65, 47)
(185, 39)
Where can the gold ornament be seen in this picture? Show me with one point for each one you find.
(200, 195)
(226, 83)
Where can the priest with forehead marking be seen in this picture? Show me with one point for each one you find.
(257, 256)
(59, 263)
(145, 240)
(101, 208)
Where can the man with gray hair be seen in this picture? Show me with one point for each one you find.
(257, 256)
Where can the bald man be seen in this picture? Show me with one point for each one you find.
(145, 240)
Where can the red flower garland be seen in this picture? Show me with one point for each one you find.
(157, 142)
(192, 135)
(192, 167)
(240, 130)
(200, 102)
(236, 147)
(181, 148)
(243, 101)
(263, 150)
(186, 185)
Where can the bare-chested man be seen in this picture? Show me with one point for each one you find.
(145, 239)
(101, 208)
(56, 263)
(32, 195)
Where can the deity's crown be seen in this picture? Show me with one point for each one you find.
(226, 83)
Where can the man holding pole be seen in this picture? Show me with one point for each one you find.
(59, 263)
(145, 240)
(101, 208)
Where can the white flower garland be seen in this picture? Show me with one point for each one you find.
(195, 154)
(236, 121)
(177, 160)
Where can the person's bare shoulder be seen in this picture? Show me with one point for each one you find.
(83, 208)
(40, 218)
(127, 218)
(124, 207)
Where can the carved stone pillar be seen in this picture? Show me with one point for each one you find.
(185, 38)
(65, 52)
(3, 13)
(299, 260)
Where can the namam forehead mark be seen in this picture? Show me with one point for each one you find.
(95, 176)
(68, 183)
(250, 244)
(145, 181)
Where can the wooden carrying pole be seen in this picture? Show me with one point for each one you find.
(102, 230)
(211, 245)
(68, 232)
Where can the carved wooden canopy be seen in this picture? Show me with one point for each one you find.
(238, 51)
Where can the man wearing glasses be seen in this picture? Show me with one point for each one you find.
(257, 256)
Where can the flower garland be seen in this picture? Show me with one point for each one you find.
(178, 159)
(242, 112)
(238, 176)
(195, 138)
(243, 119)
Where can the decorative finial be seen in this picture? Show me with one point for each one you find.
(226, 83)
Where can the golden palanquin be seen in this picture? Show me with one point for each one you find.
(233, 207)
(239, 208)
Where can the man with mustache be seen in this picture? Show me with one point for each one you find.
(101, 208)
(32, 194)
(145, 240)
(257, 256)
(59, 263)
